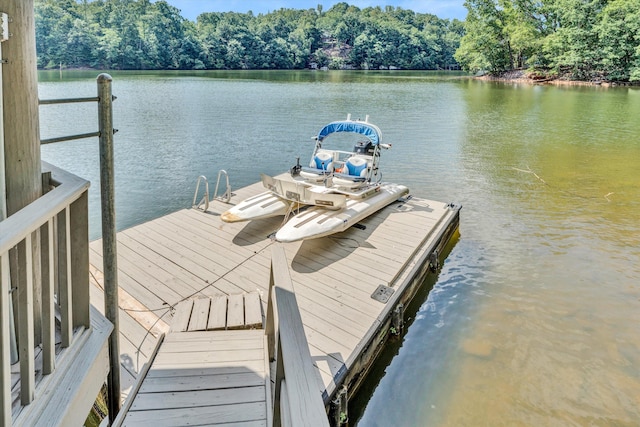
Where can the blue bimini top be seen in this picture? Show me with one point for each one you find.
(367, 129)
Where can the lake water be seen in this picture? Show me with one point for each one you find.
(535, 317)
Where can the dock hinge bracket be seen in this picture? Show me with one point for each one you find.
(434, 261)
(397, 320)
(339, 408)
(4, 27)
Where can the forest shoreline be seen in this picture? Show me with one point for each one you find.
(521, 76)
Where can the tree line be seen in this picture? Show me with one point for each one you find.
(578, 39)
(139, 34)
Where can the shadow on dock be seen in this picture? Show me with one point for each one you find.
(256, 231)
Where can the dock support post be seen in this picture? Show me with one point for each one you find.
(109, 253)
(339, 411)
(20, 170)
(4, 35)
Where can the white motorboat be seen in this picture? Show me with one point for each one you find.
(336, 190)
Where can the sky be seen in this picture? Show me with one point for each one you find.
(448, 9)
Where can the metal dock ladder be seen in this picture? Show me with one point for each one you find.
(225, 197)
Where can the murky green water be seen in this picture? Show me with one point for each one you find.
(535, 315)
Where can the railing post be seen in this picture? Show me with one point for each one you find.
(109, 253)
(47, 264)
(270, 327)
(25, 322)
(5, 356)
(278, 393)
(79, 236)
(48, 299)
(65, 291)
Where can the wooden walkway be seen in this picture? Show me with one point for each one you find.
(205, 373)
(191, 254)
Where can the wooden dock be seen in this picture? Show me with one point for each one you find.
(192, 254)
(212, 368)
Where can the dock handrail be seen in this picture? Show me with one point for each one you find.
(297, 400)
(105, 134)
(61, 215)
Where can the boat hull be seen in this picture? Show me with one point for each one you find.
(263, 205)
(319, 222)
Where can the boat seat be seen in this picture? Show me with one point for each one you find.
(321, 165)
(353, 174)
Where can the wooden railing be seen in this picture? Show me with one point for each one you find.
(297, 399)
(40, 244)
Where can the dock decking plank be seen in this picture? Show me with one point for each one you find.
(221, 368)
(229, 335)
(201, 382)
(196, 358)
(194, 398)
(204, 346)
(208, 415)
(218, 313)
(180, 321)
(235, 311)
(253, 310)
(209, 239)
(183, 282)
(140, 290)
(200, 314)
(217, 265)
(200, 267)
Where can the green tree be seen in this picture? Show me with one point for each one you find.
(53, 23)
(485, 46)
(81, 45)
(109, 47)
(573, 47)
(520, 26)
(619, 38)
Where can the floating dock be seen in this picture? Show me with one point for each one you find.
(348, 286)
